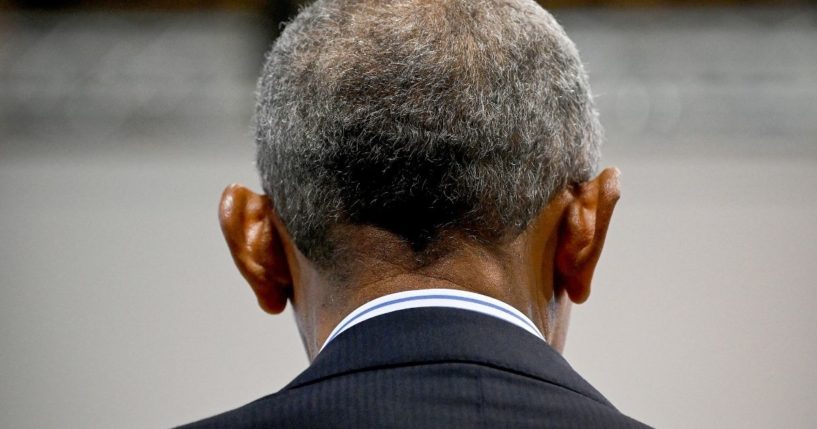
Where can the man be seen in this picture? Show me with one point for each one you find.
(430, 213)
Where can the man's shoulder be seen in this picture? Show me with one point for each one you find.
(432, 368)
(436, 395)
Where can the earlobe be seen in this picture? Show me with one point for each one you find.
(582, 233)
(256, 245)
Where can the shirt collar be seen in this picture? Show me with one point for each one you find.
(435, 298)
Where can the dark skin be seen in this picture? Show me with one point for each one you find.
(541, 272)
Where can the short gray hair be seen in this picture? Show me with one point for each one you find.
(422, 118)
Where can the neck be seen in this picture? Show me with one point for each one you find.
(513, 274)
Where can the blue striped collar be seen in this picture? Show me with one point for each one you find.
(449, 298)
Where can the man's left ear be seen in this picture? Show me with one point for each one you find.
(256, 244)
(582, 232)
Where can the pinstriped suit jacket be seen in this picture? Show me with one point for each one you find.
(432, 368)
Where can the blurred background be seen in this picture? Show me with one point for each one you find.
(121, 122)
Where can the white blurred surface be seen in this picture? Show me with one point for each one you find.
(120, 307)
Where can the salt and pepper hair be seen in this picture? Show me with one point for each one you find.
(428, 119)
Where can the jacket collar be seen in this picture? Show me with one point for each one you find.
(436, 335)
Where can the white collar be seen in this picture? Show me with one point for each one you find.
(449, 298)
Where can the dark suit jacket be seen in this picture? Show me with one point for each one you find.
(432, 368)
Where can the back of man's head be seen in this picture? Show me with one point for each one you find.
(431, 120)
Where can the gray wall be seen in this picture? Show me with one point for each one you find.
(119, 305)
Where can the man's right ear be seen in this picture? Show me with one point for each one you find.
(256, 245)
